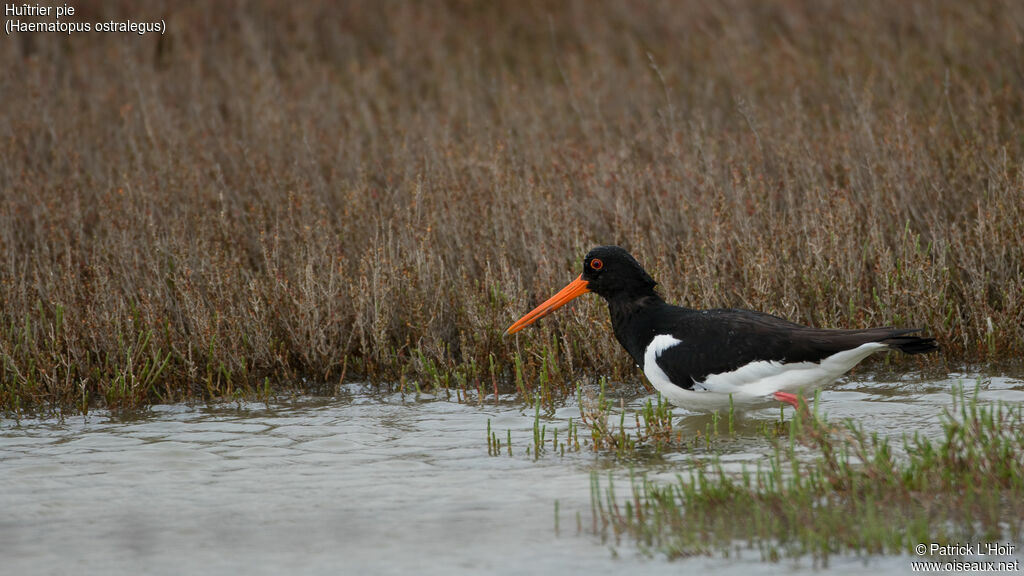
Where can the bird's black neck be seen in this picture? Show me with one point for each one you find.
(635, 320)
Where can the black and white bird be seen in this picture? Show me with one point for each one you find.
(699, 359)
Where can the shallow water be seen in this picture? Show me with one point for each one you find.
(366, 483)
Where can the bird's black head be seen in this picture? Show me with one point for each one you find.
(611, 272)
(608, 271)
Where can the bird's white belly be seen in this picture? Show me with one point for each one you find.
(752, 383)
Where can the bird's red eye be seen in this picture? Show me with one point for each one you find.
(596, 264)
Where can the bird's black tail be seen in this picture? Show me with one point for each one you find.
(911, 344)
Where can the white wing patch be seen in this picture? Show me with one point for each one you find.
(753, 383)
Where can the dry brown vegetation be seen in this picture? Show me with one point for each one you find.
(366, 190)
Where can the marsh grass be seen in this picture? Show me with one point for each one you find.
(651, 431)
(318, 192)
(831, 489)
(611, 429)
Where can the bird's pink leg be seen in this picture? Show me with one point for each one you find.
(787, 398)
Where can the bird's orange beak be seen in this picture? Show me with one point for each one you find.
(574, 289)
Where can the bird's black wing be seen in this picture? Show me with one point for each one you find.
(719, 341)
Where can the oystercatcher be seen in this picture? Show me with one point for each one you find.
(697, 359)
